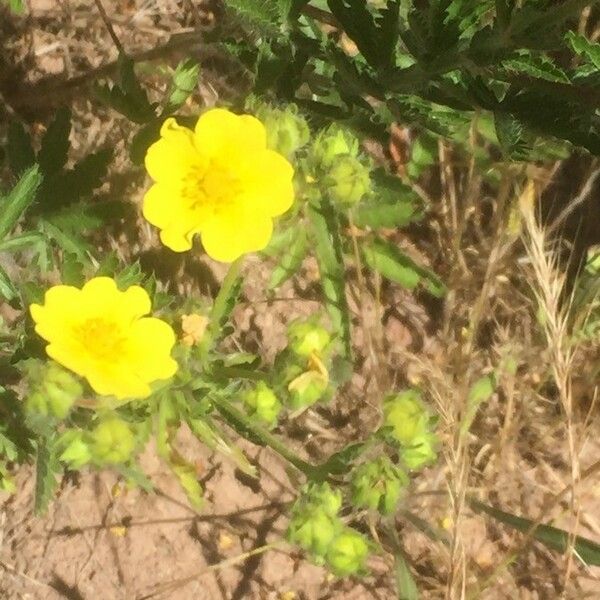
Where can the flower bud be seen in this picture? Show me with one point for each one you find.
(331, 143)
(262, 403)
(287, 131)
(378, 485)
(76, 451)
(313, 531)
(306, 338)
(314, 521)
(307, 388)
(112, 441)
(347, 180)
(407, 416)
(421, 452)
(347, 553)
(55, 391)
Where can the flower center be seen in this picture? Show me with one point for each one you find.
(102, 338)
(213, 188)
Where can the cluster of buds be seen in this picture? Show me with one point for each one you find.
(110, 442)
(287, 130)
(378, 485)
(317, 528)
(53, 390)
(262, 404)
(336, 165)
(305, 372)
(409, 425)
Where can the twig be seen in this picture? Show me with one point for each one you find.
(109, 27)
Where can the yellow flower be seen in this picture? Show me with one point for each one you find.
(220, 181)
(101, 334)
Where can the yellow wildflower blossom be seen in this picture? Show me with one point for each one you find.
(101, 334)
(219, 181)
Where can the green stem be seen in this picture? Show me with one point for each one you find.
(229, 410)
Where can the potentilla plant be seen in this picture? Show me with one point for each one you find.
(102, 359)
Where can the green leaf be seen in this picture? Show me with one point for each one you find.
(67, 240)
(16, 203)
(590, 51)
(127, 97)
(481, 391)
(185, 79)
(376, 38)
(143, 139)
(8, 291)
(67, 187)
(20, 152)
(509, 132)
(535, 65)
(264, 15)
(407, 588)
(22, 241)
(385, 258)
(188, 478)
(55, 143)
(556, 539)
(291, 260)
(328, 249)
(45, 474)
(386, 214)
(16, 6)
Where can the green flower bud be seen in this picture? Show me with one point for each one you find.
(407, 417)
(112, 441)
(321, 495)
(76, 451)
(421, 452)
(306, 338)
(306, 389)
(287, 131)
(348, 181)
(55, 391)
(378, 485)
(313, 531)
(331, 143)
(262, 403)
(347, 553)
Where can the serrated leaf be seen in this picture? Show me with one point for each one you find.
(22, 241)
(185, 79)
(290, 260)
(584, 48)
(67, 187)
(188, 479)
(8, 291)
(127, 97)
(330, 258)
(553, 537)
(509, 132)
(375, 38)
(143, 139)
(20, 151)
(72, 270)
(385, 258)
(68, 241)
(386, 214)
(535, 65)
(264, 15)
(55, 143)
(46, 467)
(18, 200)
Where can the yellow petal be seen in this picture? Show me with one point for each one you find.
(113, 380)
(70, 357)
(173, 155)
(177, 239)
(150, 348)
(229, 237)
(221, 133)
(267, 182)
